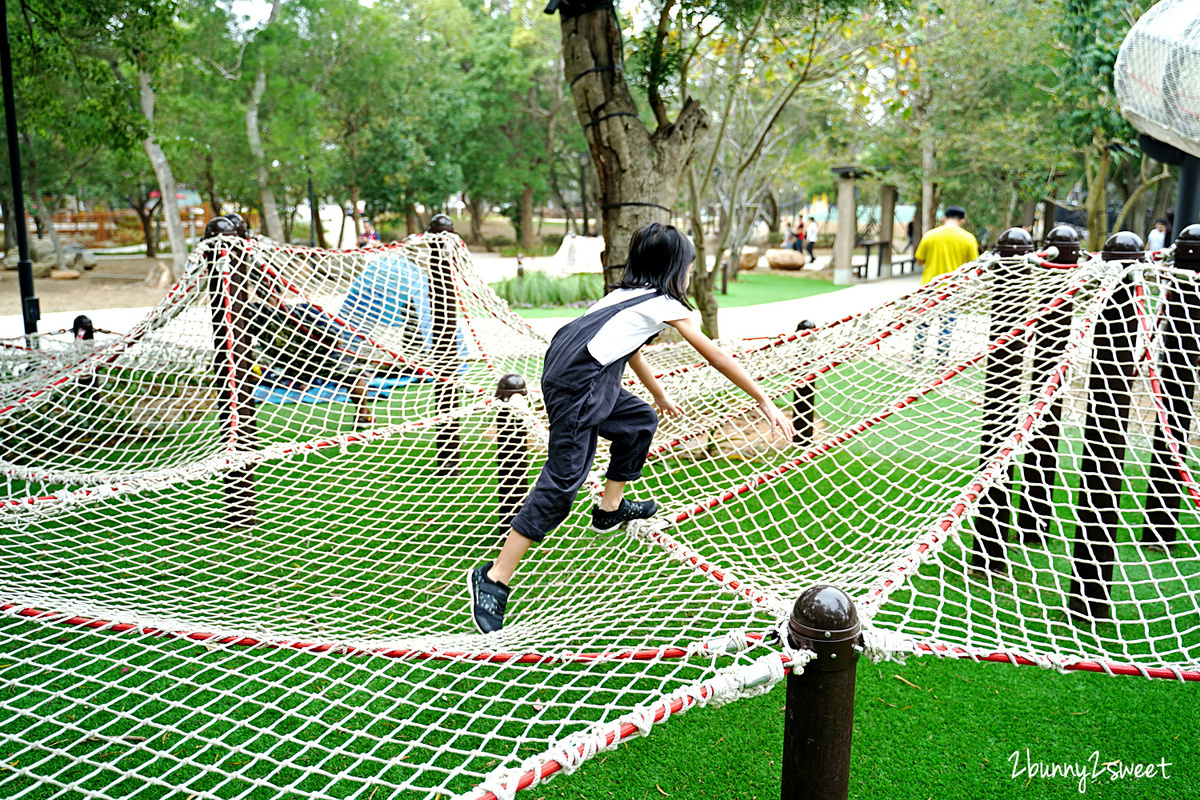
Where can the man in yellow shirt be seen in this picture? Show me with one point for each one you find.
(947, 248)
(942, 251)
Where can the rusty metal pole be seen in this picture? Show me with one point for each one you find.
(512, 459)
(818, 721)
(1103, 459)
(444, 308)
(1179, 344)
(804, 402)
(1001, 393)
(1040, 470)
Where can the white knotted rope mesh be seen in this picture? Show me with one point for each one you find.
(234, 540)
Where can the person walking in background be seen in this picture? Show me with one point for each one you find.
(941, 251)
(798, 235)
(810, 237)
(1157, 238)
(909, 229)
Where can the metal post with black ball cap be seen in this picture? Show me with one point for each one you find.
(818, 724)
(1179, 348)
(1040, 470)
(1102, 460)
(1001, 394)
(443, 345)
(229, 292)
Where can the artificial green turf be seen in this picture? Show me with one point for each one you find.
(951, 735)
(750, 289)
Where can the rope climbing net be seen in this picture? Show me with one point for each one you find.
(234, 539)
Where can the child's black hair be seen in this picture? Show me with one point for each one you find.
(659, 256)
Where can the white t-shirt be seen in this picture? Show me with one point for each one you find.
(810, 233)
(1156, 239)
(631, 327)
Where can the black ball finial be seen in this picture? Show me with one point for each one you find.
(219, 226)
(1187, 247)
(441, 224)
(1065, 240)
(1124, 246)
(83, 328)
(239, 224)
(509, 385)
(1014, 241)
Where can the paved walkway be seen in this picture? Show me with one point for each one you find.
(745, 322)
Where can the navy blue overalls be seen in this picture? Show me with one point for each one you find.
(584, 399)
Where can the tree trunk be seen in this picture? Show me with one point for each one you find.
(525, 231)
(556, 193)
(355, 192)
(476, 207)
(166, 181)
(342, 226)
(411, 223)
(639, 172)
(43, 214)
(928, 190)
(270, 214)
(319, 227)
(1097, 200)
(1162, 197)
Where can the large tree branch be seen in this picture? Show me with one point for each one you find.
(654, 79)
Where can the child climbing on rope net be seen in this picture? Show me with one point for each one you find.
(581, 387)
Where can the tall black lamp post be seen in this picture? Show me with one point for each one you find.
(584, 160)
(29, 304)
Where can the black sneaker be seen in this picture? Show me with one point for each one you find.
(609, 521)
(488, 599)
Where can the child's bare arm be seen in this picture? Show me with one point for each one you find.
(725, 364)
(646, 376)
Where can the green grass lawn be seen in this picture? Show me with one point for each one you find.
(750, 289)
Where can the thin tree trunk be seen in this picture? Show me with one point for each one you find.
(525, 204)
(411, 223)
(928, 190)
(355, 192)
(43, 214)
(476, 207)
(166, 181)
(342, 227)
(270, 214)
(1097, 199)
(320, 227)
(147, 218)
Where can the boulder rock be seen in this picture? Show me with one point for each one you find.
(79, 257)
(748, 259)
(41, 250)
(41, 269)
(65, 274)
(785, 259)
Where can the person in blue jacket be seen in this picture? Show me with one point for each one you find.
(581, 387)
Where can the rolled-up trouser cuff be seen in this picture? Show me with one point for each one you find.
(622, 477)
(535, 537)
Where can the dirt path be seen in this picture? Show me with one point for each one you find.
(114, 283)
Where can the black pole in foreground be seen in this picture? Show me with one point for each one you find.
(511, 458)
(819, 718)
(444, 309)
(1102, 465)
(804, 403)
(1001, 392)
(1040, 470)
(1180, 347)
(30, 310)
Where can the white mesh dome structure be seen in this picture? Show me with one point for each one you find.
(1157, 74)
(234, 540)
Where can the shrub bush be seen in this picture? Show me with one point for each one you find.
(536, 289)
(500, 241)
